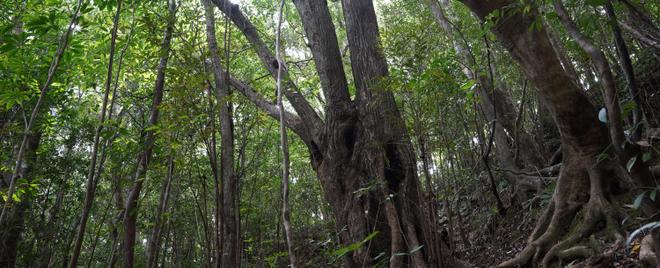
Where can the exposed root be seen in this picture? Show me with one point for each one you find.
(596, 214)
(576, 252)
(552, 238)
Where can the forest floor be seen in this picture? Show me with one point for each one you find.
(501, 238)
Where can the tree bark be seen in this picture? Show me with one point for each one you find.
(231, 252)
(284, 144)
(361, 151)
(13, 226)
(585, 180)
(131, 206)
(154, 243)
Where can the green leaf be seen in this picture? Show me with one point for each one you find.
(352, 247)
(652, 195)
(631, 163)
(638, 200)
(468, 85)
(646, 157)
(627, 107)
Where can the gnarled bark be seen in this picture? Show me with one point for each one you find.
(585, 181)
(361, 151)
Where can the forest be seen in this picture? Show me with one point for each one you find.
(341, 133)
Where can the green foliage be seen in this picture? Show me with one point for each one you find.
(352, 247)
(439, 106)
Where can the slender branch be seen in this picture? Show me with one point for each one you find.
(90, 190)
(64, 41)
(311, 119)
(519, 121)
(628, 72)
(286, 212)
(144, 157)
(604, 73)
(639, 35)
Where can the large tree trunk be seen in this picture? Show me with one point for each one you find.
(586, 181)
(131, 206)
(363, 155)
(361, 151)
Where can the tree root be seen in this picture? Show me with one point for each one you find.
(596, 213)
(552, 238)
(575, 252)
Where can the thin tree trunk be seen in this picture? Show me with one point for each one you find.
(46, 249)
(213, 161)
(231, 253)
(61, 48)
(496, 107)
(131, 206)
(90, 190)
(97, 232)
(114, 230)
(628, 72)
(604, 74)
(153, 246)
(284, 144)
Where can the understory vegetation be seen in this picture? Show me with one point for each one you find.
(314, 133)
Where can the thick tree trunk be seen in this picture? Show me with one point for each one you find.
(363, 155)
(585, 181)
(131, 206)
(361, 152)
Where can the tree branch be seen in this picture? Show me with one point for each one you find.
(302, 107)
(292, 121)
(320, 33)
